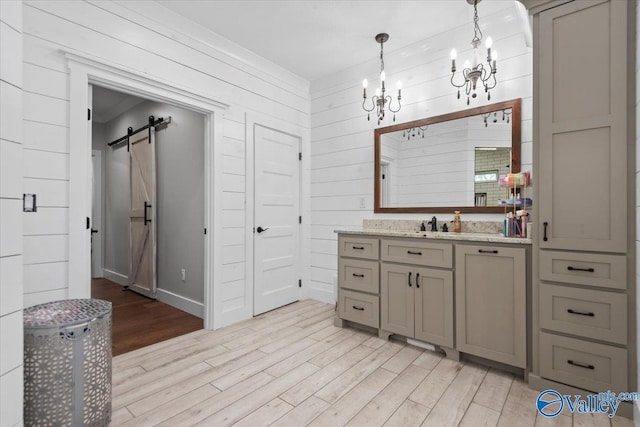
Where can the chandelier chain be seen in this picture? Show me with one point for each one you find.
(476, 30)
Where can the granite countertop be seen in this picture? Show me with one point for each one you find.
(439, 235)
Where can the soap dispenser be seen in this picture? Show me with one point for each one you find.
(457, 223)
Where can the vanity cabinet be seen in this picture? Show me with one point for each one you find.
(358, 280)
(582, 258)
(491, 303)
(417, 302)
(406, 286)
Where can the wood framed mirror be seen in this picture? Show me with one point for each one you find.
(448, 162)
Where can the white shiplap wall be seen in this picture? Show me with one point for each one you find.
(11, 217)
(342, 138)
(155, 41)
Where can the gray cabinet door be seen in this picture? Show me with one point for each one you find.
(434, 306)
(582, 105)
(396, 298)
(491, 303)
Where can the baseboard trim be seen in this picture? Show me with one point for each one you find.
(118, 278)
(192, 307)
(320, 295)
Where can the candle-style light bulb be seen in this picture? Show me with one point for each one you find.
(489, 42)
(494, 56)
(467, 64)
(365, 83)
(453, 55)
(399, 86)
(383, 76)
(378, 92)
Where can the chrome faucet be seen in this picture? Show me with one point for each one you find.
(434, 224)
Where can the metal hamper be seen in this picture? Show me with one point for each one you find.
(67, 363)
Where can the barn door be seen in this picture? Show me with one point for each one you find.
(142, 229)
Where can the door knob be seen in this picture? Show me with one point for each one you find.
(260, 229)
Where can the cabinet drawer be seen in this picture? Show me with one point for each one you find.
(417, 252)
(359, 308)
(593, 314)
(607, 271)
(583, 364)
(358, 247)
(359, 275)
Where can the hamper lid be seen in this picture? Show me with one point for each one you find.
(64, 312)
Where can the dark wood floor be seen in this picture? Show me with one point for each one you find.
(139, 321)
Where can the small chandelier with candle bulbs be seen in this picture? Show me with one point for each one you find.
(380, 100)
(475, 72)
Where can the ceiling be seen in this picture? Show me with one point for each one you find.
(108, 104)
(316, 38)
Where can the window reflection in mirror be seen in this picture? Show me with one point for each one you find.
(490, 163)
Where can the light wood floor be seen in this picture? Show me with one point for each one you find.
(292, 367)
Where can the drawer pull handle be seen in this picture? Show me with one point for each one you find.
(417, 280)
(359, 248)
(580, 365)
(358, 275)
(355, 307)
(482, 251)
(545, 224)
(409, 279)
(414, 253)
(581, 313)
(588, 270)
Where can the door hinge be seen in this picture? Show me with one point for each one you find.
(300, 219)
(88, 223)
(88, 113)
(205, 231)
(299, 283)
(299, 156)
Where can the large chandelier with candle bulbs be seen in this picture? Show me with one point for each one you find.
(380, 100)
(475, 72)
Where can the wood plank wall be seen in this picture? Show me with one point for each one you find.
(11, 217)
(342, 138)
(156, 41)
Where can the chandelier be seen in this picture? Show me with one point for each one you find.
(380, 100)
(476, 72)
(506, 117)
(411, 133)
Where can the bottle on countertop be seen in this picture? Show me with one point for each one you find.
(457, 222)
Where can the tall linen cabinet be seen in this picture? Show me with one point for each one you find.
(583, 296)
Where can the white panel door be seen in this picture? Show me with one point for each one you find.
(277, 209)
(142, 230)
(96, 214)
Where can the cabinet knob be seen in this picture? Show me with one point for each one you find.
(409, 279)
(417, 280)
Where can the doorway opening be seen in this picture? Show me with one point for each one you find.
(148, 231)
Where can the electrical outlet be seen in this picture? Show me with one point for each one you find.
(363, 202)
(183, 274)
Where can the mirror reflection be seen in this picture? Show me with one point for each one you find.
(451, 163)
